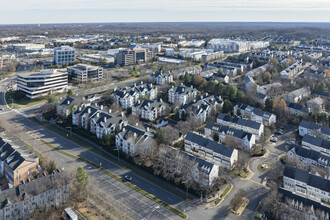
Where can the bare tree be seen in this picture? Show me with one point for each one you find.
(133, 120)
(170, 134)
(236, 201)
(232, 142)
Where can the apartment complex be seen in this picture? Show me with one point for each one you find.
(306, 185)
(84, 73)
(255, 114)
(42, 83)
(149, 109)
(161, 78)
(210, 150)
(306, 127)
(248, 126)
(246, 140)
(64, 55)
(182, 94)
(21, 201)
(17, 164)
(133, 55)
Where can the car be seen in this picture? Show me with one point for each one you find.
(128, 178)
(274, 139)
(279, 131)
(1, 109)
(88, 167)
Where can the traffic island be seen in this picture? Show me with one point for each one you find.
(264, 167)
(241, 208)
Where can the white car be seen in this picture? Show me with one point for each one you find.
(274, 139)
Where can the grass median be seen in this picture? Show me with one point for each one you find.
(141, 191)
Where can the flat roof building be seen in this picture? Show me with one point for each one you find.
(83, 73)
(64, 55)
(42, 83)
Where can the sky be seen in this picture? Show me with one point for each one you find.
(90, 11)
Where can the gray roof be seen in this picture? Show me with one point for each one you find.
(31, 188)
(318, 142)
(210, 144)
(311, 154)
(228, 130)
(240, 121)
(312, 126)
(297, 107)
(305, 177)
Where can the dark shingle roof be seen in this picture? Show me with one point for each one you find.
(228, 130)
(312, 126)
(240, 121)
(311, 154)
(316, 141)
(305, 177)
(210, 144)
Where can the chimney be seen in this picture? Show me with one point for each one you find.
(139, 101)
(191, 86)
(105, 119)
(206, 94)
(134, 84)
(101, 107)
(68, 102)
(182, 89)
(137, 124)
(95, 104)
(202, 97)
(122, 114)
(110, 110)
(135, 134)
(147, 129)
(89, 110)
(61, 98)
(149, 104)
(98, 114)
(80, 109)
(124, 129)
(161, 100)
(141, 82)
(181, 84)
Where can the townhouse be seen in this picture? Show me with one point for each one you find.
(254, 114)
(127, 97)
(103, 123)
(293, 70)
(309, 157)
(246, 125)
(316, 105)
(316, 143)
(306, 185)
(201, 110)
(180, 162)
(182, 94)
(297, 95)
(132, 139)
(210, 150)
(306, 127)
(149, 109)
(247, 139)
(17, 164)
(301, 207)
(21, 201)
(297, 109)
(160, 78)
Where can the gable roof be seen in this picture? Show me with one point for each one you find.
(228, 130)
(318, 142)
(305, 177)
(312, 126)
(239, 121)
(311, 154)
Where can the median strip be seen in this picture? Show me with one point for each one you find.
(109, 173)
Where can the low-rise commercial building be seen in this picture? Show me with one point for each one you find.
(42, 83)
(64, 55)
(83, 73)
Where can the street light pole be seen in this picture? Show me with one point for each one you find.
(186, 183)
(70, 130)
(117, 149)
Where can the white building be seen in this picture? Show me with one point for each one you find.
(149, 109)
(161, 78)
(306, 185)
(181, 94)
(131, 140)
(306, 127)
(43, 83)
(297, 95)
(210, 150)
(248, 126)
(64, 55)
(169, 52)
(255, 114)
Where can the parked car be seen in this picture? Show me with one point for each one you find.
(274, 138)
(279, 131)
(128, 178)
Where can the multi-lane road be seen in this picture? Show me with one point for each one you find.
(131, 202)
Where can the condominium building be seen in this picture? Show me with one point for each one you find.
(42, 83)
(182, 94)
(133, 55)
(64, 55)
(149, 109)
(210, 150)
(83, 73)
(16, 163)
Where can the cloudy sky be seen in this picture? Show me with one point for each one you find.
(63, 11)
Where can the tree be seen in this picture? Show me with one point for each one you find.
(322, 87)
(236, 201)
(169, 134)
(230, 92)
(269, 104)
(227, 106)
(266, 76)
(159, 136)
(82, 177)
(51, 99)
(69, 93)
(216, 137)
(198, 81)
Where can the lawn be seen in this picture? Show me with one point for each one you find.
(17, 100)
(239, 172)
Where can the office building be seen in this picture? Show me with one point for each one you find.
(64, 55)
(133, 55)
(84, 73)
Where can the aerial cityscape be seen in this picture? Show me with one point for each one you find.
(165, 110)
